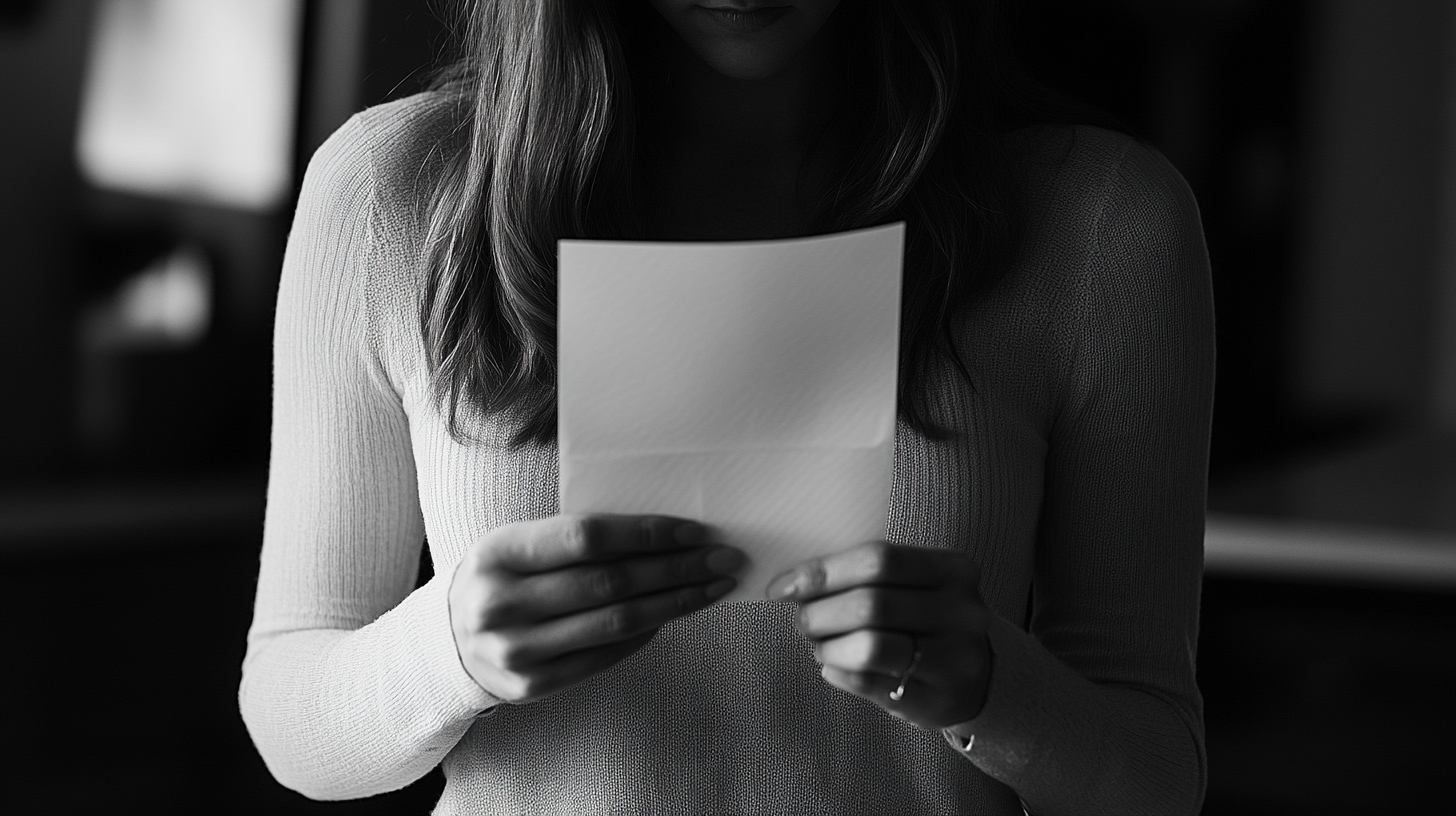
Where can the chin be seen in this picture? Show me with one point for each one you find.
(745, 63)
(753, 48)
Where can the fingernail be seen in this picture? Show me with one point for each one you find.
(783, 586)
(690, 533)
(719, 588)
(725, 561)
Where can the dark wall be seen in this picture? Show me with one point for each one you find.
(42, 55)
(407, 40)
(1220, 89)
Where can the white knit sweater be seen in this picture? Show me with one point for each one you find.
(1079, 468)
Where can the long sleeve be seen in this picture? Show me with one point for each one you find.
(1096, 710)
(351, 685)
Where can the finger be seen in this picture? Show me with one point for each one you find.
(872, 685)
(868, 650)
(565, 671)
(550, 594)
(927, 701)
(876, 688)
(907, 610)
(559, 541)
(875, 563)
(522, 648)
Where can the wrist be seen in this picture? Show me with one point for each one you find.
(981, 686)
(961, 735)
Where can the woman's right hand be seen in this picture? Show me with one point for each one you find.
(539, 606)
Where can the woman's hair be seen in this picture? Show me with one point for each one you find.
(548, 148)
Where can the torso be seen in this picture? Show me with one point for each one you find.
(727, 706)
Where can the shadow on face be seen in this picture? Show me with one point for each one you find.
(746, 39)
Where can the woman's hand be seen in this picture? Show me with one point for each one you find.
(542, 605)
(870, 609)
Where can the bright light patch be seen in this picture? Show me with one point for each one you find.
(171, 299)
(192, 99)
(166, 305)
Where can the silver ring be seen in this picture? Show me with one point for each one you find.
(899, 691)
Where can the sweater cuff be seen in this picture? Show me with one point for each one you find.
(453, 685)
(1006, 736)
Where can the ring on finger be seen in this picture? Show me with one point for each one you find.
(899, 691)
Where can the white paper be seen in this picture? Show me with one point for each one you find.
(748, 385)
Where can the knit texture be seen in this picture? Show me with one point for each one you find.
(1078, 467)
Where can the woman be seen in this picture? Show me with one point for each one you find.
(1025, 634)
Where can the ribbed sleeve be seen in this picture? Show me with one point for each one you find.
(1096, 711)
(351, 684)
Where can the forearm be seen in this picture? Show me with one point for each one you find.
(1067, 745)
(339, 714)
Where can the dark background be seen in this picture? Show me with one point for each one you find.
(1314, 135)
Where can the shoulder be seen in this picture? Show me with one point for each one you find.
(1113, 256)
(1098, 189)
(360, 222)
(391, 153)
(367, 195)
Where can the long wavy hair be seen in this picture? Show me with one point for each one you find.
(548, 147)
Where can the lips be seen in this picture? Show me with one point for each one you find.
(743, 19)
(739, 7)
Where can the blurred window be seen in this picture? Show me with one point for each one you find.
(192, 99)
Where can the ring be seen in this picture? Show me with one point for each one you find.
(909, 670)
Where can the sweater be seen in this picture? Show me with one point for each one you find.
(1075, 477)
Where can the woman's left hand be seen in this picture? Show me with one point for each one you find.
(870, 609)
